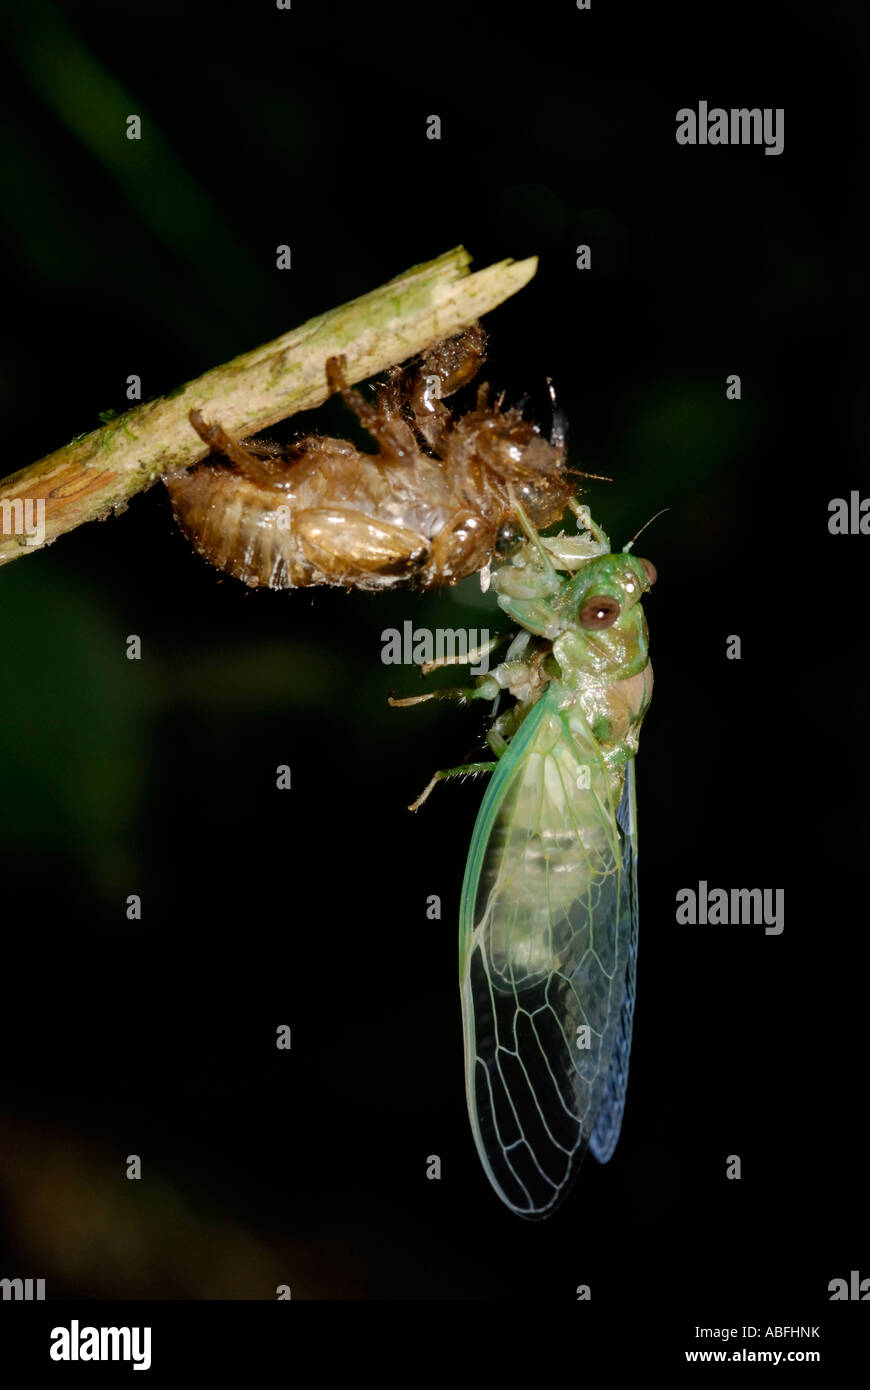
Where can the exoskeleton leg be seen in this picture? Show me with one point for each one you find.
(444, 369)
(394, 436)
(220, 441)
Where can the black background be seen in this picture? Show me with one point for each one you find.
(308, 908)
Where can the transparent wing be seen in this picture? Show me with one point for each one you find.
(547, 926)
(606, 1132)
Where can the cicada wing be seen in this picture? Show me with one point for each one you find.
(606, 1132)
(545, 946)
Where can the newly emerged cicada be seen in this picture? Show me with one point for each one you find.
(548, 916)
(426, 510)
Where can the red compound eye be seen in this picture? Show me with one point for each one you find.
(599, 611)
(650, 570)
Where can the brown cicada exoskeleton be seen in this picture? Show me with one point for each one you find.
(426, 510)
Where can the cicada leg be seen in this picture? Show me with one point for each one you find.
(220, 441)
(484, 691)
(394, 436)
(502, 730)
(497, 741)
(464, 770)
(472, 658)
(444, 369)
(456, 692)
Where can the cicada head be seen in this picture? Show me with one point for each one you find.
(607, 587)
(605, 627)
(509, 457)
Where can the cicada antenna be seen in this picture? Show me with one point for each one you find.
(626, 548)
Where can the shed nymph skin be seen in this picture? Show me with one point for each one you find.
(425, 511)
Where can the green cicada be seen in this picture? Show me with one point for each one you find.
(548, 919)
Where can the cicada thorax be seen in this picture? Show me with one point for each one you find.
(602, 654)
(424, 511)
(587, 633)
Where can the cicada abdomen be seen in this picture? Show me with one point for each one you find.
(426, 510)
